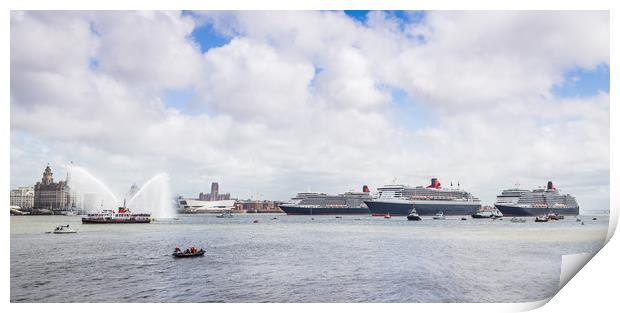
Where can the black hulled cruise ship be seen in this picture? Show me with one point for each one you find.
(313, 203)
(429, 200)
(521, 202)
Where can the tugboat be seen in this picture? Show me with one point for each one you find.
(413, 216)
(487, 212)
(188, 253)
(439, 216)
(64, 229)
(122, 216)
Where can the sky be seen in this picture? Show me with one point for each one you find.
(274, 103)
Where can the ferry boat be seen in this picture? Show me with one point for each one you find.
(402, 200)
(313, 203)
(122, 216)
(540, 201)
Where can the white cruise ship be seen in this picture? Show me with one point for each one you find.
(402, 200)
(522, 202)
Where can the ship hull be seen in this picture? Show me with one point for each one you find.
(509, 210)
(295, 210)
(101, 221)
(422, 207)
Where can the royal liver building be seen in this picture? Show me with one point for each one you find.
(49, 195)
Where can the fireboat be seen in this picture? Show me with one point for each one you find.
(122, 216)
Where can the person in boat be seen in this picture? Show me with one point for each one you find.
(177, 249)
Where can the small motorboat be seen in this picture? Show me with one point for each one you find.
(578, 220)
(225, 214)
(463, 218)
(439, 216)
(413, 216)
(387, 216)
(594, 218)
(487, 212)
(64, 229)
(541, 218)
(188, 253)
(552, 217)
(255, 221)
(338, 216)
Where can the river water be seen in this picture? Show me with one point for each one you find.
(295, 259)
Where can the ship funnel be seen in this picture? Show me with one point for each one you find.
(434, 183)
(365, 189)
(550, 185)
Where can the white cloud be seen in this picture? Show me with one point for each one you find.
(304, 99)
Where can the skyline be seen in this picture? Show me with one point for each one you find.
(276, 102)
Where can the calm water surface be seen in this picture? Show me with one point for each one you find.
(295, 259)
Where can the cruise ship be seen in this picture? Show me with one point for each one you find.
(429, 200)
(521, 202)
(313, 203)
(204, 206)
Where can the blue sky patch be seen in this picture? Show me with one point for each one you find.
(208, 38)
(359, 15)
(583, 83)
(178, 99)
(407, 17)
(409, 112)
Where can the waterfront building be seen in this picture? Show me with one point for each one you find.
(214, 195)
(258, 206)
(50, 195)
(23, 197)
